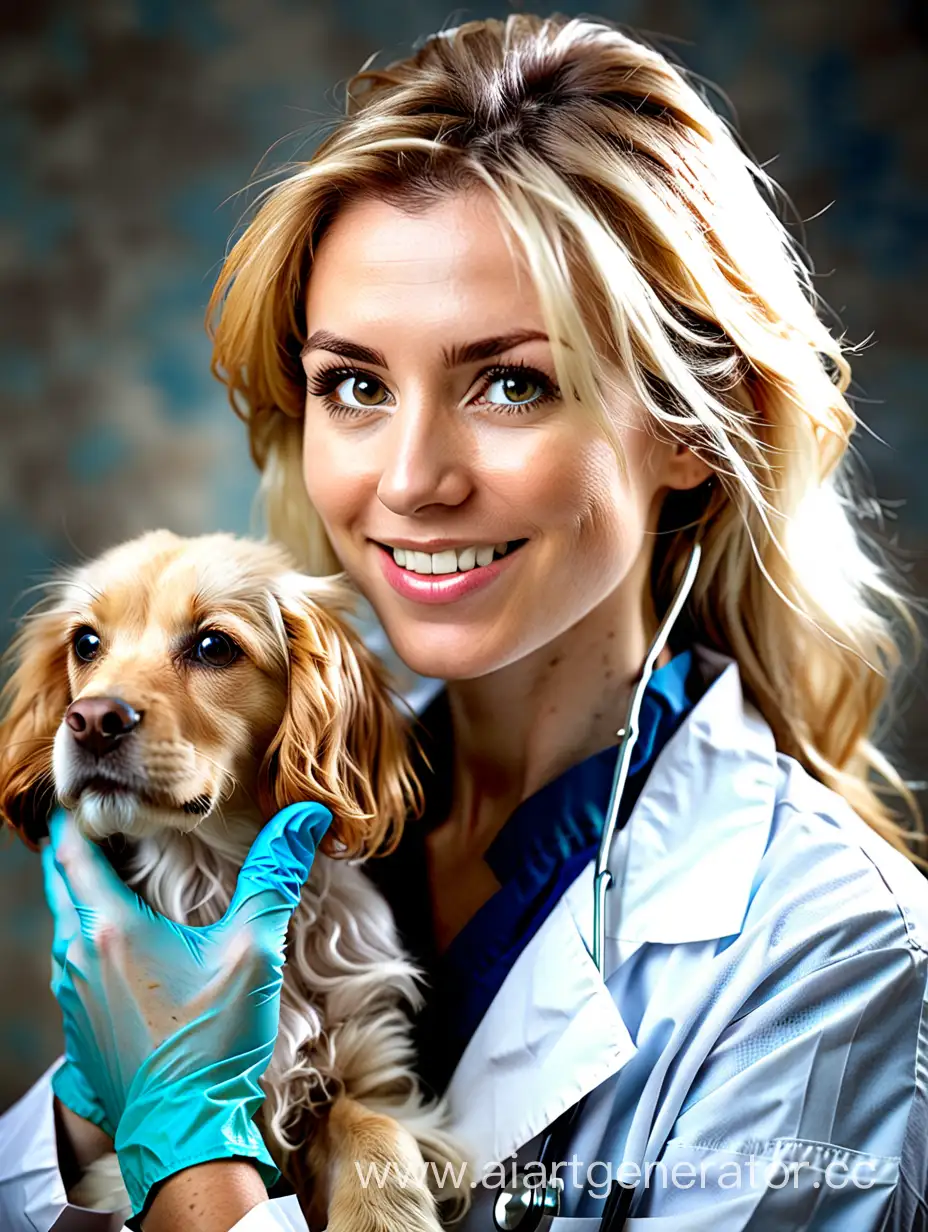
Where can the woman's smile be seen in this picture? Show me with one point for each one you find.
(442, 576)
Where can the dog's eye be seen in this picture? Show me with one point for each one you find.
(86, 645)
(215, 649)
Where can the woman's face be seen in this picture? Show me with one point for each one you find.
(436, 437)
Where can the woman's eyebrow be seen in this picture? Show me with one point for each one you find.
(454, 357)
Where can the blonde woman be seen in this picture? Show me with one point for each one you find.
(524, 350)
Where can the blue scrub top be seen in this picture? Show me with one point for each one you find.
(540, 850)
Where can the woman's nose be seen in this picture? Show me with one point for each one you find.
(427, 462)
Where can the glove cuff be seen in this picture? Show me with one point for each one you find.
(153, 1143)
(72, 1090)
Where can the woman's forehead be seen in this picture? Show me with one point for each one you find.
(452, 265)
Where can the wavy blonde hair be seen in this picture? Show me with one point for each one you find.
(651, 238)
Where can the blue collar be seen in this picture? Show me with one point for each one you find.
(567, 815)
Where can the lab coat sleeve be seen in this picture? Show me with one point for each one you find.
(32, 1193)
(806, 1112)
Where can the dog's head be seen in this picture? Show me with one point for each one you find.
(173, 679)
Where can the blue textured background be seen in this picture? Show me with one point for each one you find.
(128, 131)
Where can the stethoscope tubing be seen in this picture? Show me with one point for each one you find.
(629, 738)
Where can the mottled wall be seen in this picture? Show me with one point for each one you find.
(128, 131)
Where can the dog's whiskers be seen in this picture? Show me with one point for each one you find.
(210, 760)
(229, 784)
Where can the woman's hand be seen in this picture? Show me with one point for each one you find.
(168, 1028)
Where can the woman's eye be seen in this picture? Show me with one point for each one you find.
(86, 645)
(367, 390)
(345, 392)
(215, 649)
(515, 389)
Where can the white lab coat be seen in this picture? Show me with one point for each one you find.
(767, 959)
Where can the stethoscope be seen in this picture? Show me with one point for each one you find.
(525, 1206)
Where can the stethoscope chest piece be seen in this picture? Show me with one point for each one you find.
(526, 1207)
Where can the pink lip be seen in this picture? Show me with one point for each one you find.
(444, 588)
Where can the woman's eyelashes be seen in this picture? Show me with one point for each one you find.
(370, 392)
(512, 389)
(512, 380)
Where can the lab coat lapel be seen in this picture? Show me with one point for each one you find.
(552, 1034)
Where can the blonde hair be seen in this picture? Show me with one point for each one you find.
(657, 255)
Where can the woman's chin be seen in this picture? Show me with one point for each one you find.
(450, 658)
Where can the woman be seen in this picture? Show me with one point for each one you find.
(525, 351)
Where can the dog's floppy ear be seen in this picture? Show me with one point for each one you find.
(342, 742)
(32, 705)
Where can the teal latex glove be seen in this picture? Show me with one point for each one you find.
(168, 1028)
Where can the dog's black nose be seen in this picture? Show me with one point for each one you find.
(99, 723)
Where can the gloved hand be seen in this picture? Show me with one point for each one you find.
(168, 1028)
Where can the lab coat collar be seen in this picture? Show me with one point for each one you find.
(683, 866)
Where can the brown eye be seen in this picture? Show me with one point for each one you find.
(364, 390)
(215, 649)
(86, 645)
(517, 390)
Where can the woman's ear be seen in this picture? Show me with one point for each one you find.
(32, 706)
(686, 469)
(342, 742)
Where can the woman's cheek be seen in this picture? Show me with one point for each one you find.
(335, 483)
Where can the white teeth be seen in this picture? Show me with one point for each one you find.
(451, 560)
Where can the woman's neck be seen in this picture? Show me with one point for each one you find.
(520, 727)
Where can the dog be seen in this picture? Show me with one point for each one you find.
(177, 693)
